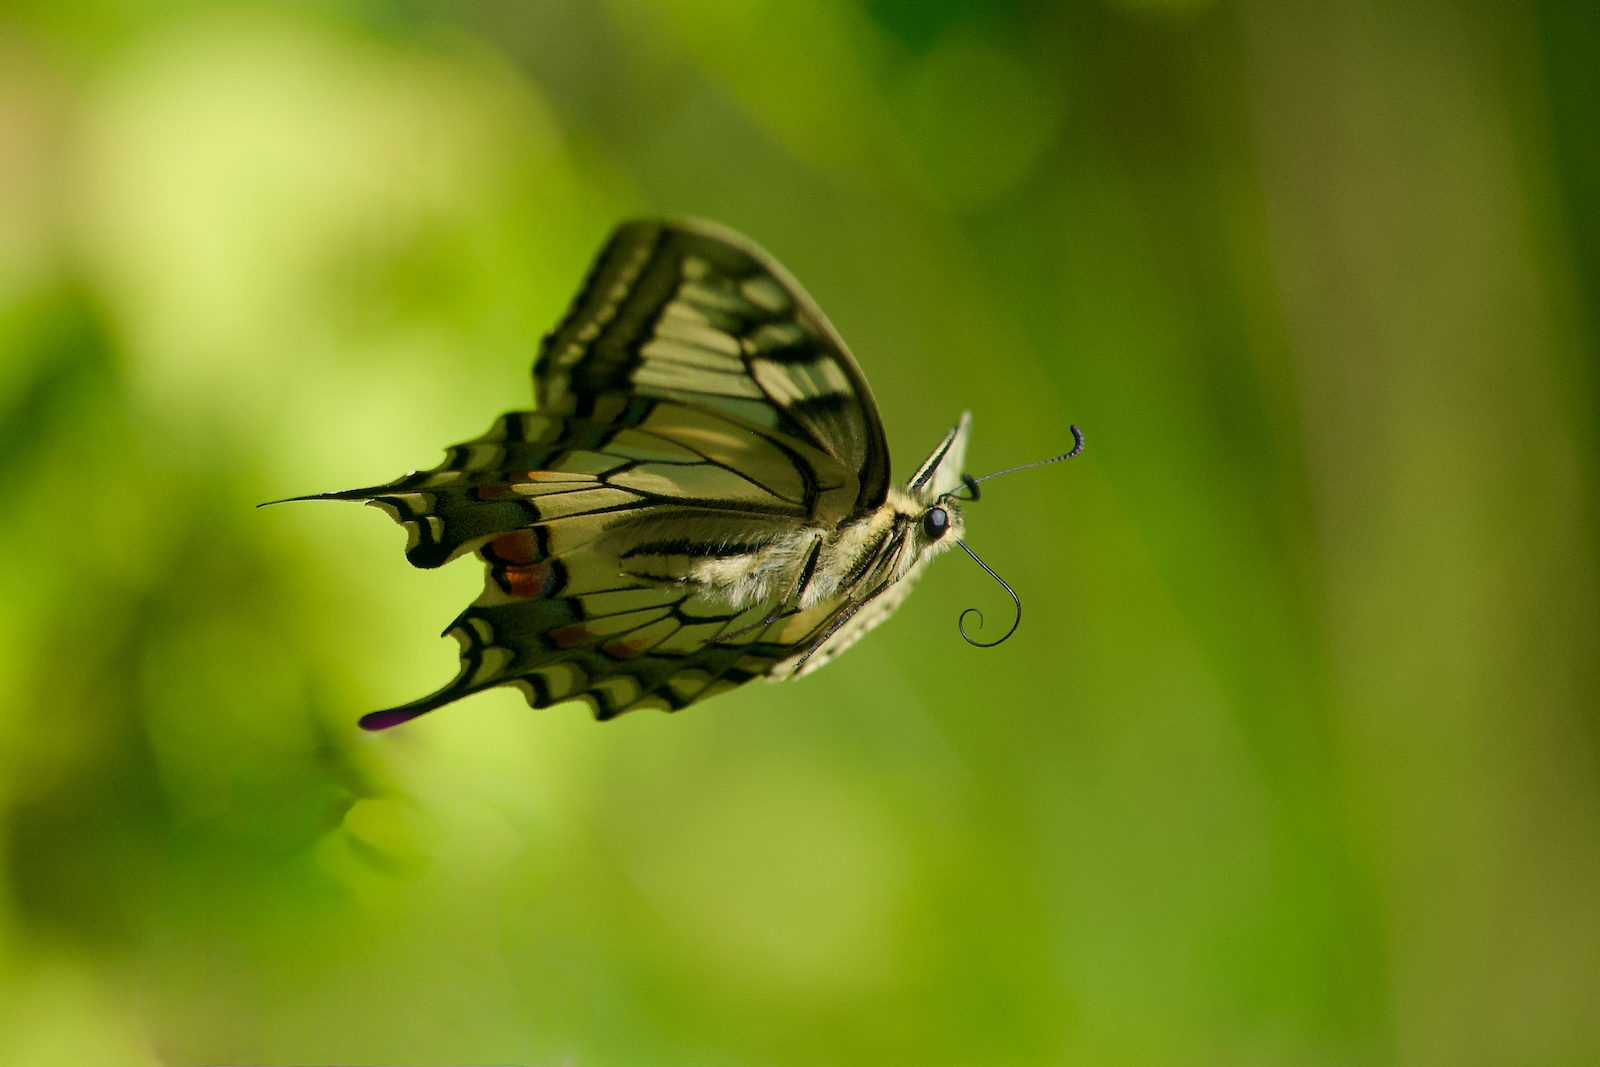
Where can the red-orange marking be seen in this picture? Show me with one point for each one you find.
(567, 636)
(527, 581)
(519, 546)
(494, 492)
(624, 649)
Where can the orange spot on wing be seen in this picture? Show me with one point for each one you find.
(623, 649)
(526, 581)
(519, 547)
(567, 636)
(494, 492)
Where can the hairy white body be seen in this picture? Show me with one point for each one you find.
(811, 565)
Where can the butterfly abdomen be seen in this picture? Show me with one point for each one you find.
(776, 570)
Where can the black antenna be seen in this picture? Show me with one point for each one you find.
(1077, 450)
(970, 484)
(961, 623)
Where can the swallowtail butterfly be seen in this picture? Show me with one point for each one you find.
(700, 497)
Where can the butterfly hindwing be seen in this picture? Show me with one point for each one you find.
(617, 650)
(590, 531)
(560, 621)
(532, 467)
(693, 312)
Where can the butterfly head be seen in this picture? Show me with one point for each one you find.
(942, 519)
(925, 526)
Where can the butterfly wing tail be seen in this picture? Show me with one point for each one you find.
(382, 720)
(482, 666)
(618, 656)
(441, 522)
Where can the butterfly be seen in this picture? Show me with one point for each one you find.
(700, 497)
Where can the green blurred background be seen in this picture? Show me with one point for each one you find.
(1292, 762)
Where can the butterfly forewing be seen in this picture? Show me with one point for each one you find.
(940, 473)
(695, 313)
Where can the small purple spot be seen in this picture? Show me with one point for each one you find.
(382, 720)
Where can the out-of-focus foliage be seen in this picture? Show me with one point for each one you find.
(1293, 760)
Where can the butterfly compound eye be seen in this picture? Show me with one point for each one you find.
(935, 523)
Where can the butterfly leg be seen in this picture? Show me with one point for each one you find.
(772, 616)
(844, 617)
